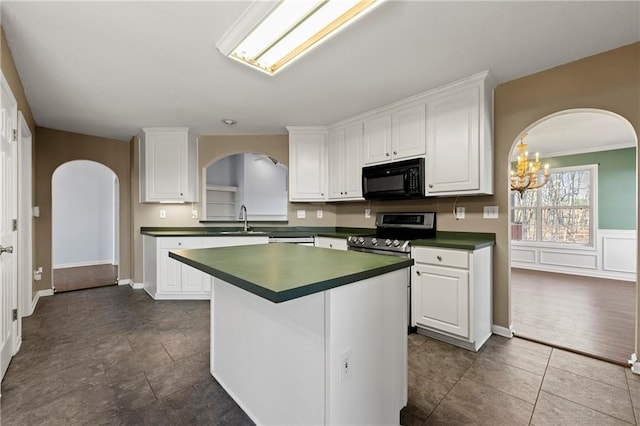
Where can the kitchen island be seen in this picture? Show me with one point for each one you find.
(306, 335)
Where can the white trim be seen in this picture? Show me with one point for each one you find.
(136, 286)
(39, 294)
(576, 151)
(502, 331)
(125, 281)
(25, 216)
(87, 263)
(613, 257)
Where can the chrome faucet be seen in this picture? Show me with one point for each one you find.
(243, 215)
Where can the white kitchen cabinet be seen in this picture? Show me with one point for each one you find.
(345, 163)
(332, 243)
(395, 136)
(168, 165)
(307, 163)
(451, 294)
(168, 279)
(377, 140)
(459, 143)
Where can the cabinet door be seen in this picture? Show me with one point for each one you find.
(408, 132)
(165, 156)
(377, 140)
(170, 273)
(352, 164)
(307, 163)
(336, 164)
(453, 144)
(440, 298)
(193, 280)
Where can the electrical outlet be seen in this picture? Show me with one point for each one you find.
(194, 214)
(459, 213)
(345, 366)
(301, 214)
(367, 213)
(163, 214)
(490, 212)
(319, 214)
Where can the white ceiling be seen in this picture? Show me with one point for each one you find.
(110, 68)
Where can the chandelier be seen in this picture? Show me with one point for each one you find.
(526, 174)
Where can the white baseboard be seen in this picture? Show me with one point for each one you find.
(87, 263)
(39, 294)
(136, 286)
(125, 281)
(502, 331)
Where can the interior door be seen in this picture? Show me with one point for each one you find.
(8, 213)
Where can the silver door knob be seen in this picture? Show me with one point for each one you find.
(8, 249)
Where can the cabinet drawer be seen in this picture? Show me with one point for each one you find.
(177, 243)
(441, 257)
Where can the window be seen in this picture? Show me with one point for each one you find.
(561, 212)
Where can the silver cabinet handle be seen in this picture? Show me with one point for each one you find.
(439, 258)
(388, 154)
(395, 152)
(8, 249)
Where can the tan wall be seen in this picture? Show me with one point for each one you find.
(609, 81)
(211, 149)
(54, 148)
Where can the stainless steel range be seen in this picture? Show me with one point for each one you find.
(394, 232)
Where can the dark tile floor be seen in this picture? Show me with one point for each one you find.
(112, 355)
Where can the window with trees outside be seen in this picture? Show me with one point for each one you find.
(560, 212)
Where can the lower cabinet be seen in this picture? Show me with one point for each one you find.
(451, 294)
(333, 243)
(168, 279)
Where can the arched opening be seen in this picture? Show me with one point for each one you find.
(85, 211)
(254, 180)
(573, 241)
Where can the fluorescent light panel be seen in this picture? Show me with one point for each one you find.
(292, 28)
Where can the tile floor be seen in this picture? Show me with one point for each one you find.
(112, 355)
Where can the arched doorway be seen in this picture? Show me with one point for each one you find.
(573, 241)
(85, 215)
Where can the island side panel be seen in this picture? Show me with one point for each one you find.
(270, 357)
(367, 328)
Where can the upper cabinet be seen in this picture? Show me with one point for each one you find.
(395, 136)
(345, 163)
(168, 165)
(307, 163)
(459, 145)
(451, 127)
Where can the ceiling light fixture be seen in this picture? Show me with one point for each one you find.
(228, 121)
(268, 36)
(526, 174)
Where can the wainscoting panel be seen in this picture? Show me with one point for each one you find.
(571, 259)
(613, 257)
(619, 251)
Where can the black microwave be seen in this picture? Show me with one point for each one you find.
(398, 180)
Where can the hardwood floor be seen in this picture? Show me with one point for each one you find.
(81, 277)
(588, 315)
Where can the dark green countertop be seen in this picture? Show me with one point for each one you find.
(458, 240)
(281, 272)
(292, 231)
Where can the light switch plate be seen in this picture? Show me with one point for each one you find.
(459, 213)
(194, 214)
(301, 214)
(163, 214)
(367, 213)
(319, 214)
(490, 212)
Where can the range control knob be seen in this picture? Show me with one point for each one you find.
(396, 243)
(374, 241)
(353, 239)
(387, 243)
(361, 240)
